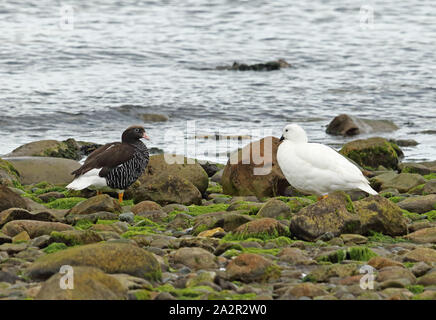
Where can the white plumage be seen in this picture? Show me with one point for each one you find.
(315, 168)
(89, 179)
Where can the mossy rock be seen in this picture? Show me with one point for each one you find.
(9, 176)
(263, 228)
(373, 152)
(110, 257)
(229, 221)
(335, 214)
(98, 203)
(68, 149)
(76, 237)
(88, 284)
(378, 214)
(249, 267)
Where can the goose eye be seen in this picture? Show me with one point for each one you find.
(286, 130)
(136, 130)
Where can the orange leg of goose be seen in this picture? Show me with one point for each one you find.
(99, 192)
(323, 197)
(120, 197)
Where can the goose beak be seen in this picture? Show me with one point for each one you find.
(282, 138)
(145, 136)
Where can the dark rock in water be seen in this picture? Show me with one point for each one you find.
(373, 152)
(268, 66)
(154, 117)
(349, 126)
(404, 142)
(154, 150)
(245, 175)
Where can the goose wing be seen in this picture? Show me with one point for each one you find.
(106, 157)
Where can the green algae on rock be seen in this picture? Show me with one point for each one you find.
(334, 214)
(110, 257)
(89, 284)
(373, 152)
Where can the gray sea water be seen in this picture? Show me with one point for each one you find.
(67, 68)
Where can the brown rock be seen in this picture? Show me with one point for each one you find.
(382, 262)
(333, 214)
(176, 165)
(145, 206)
(426, 235)
(249, 267)
(9, 199)
(245, 174)
(421, 254)
(22, 214)
(195, 258)
(295, 256)
(261, 227)
(88, 284)
(310, 290)
(98, 203)
(420, 204)
(33, 228)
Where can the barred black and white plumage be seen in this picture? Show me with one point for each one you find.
(115, 165)
(124, 175)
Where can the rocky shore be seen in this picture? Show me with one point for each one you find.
(208, 231)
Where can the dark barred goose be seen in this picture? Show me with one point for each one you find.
(115, 165)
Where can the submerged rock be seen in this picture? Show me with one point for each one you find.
(349, 125)
(254, 170)
(268, 66)
(373, 152)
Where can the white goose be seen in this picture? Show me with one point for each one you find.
(315, 168)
